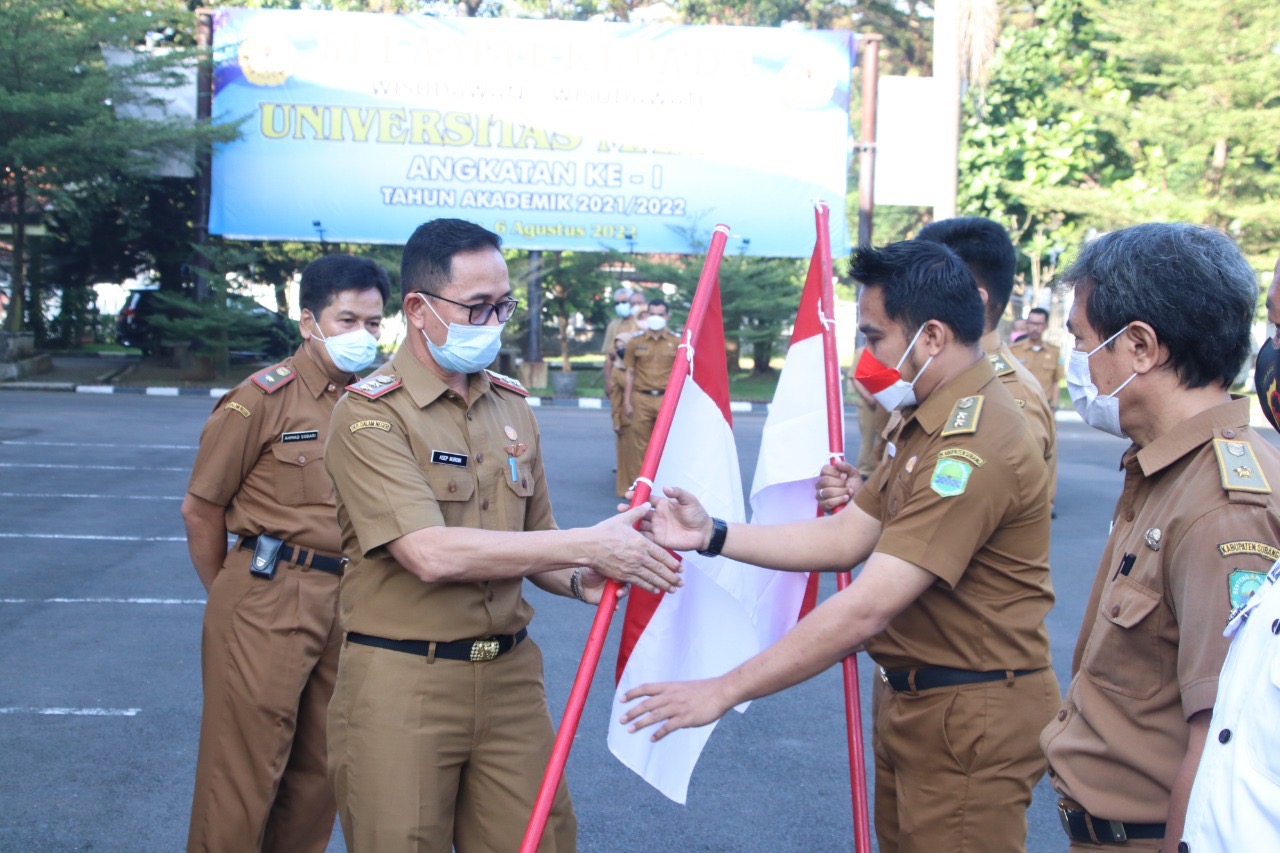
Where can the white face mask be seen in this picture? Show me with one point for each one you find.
(656, 323)
(466, 349)
(902, 394)
(352, 352)
(1100, 412)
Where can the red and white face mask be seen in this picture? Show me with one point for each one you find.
(886, 383)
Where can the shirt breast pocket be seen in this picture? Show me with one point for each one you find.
(515, 499)
(1124, 654)
(300, 478)
(450, 484)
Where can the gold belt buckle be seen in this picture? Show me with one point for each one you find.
(484, 649)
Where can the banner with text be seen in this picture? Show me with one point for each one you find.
(558, 135)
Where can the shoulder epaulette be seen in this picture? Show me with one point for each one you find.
(274, 378)
(964, 416)
(507, 382)
(1001, 367)
(374, 387)
(1239, 468)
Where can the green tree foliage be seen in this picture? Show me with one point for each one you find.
(1101, 114)
(63, 137)
(759, 298)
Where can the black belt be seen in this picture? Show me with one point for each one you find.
(485, 648)
(652, 393)
(929, 677)
(299, 556)
(1082, 826)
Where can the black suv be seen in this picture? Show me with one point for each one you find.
(134, 327)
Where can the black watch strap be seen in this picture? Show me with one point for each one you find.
(719, 529)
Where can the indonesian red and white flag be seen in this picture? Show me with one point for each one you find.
(704, 629)
(793, 449)
(727, 611)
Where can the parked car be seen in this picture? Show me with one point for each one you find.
(134, 326)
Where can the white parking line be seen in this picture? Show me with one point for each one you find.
(102, 601)
(88, 444)
(75, 712)
(93, 538)
(112, 497)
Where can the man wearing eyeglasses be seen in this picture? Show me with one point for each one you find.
(438, 729)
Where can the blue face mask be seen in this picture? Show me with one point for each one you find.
(466, 349)
(352, 352)
(623, 308)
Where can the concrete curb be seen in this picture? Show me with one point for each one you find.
(1257, 419)
(736, 406)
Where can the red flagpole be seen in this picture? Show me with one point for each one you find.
(608, 601)
(835, 439)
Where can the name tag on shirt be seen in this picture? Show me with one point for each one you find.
(305, 435)
(441, 457)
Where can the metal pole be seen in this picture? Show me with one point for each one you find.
(204, 153)
(869, 44)
(946, 73)
(533, 347)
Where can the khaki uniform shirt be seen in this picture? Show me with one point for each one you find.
(262, 455)
(618, 326)
(1027, 393)
(962, 495)
(1151, 645)
(651, 355)
(419, 456)
(1045, 365)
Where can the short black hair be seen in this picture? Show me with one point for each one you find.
(1040, 311)
(324, 277)
(986, 250)
(1189, 283)
(921, 281)
(427, 262)
(660, 301)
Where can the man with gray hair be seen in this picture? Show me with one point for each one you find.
(1161, 320)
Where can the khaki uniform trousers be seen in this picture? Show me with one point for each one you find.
(645, 413)
(621, 427)
(433, 755)
(269, 658)
(955, 765)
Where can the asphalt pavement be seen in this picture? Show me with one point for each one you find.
(100, 616)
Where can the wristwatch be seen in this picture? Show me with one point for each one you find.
(719, 529)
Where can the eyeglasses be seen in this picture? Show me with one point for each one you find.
(479, 313)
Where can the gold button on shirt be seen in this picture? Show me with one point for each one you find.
(418, 457)
(972, 509)
(262, 457)
(1151, 648)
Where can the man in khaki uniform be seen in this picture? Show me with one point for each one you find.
(270, 647)
(1194, 529)
(439, 730)
(954, 528)
(631, 309)
(1042, 358)
(648, 360)
(987, 251)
